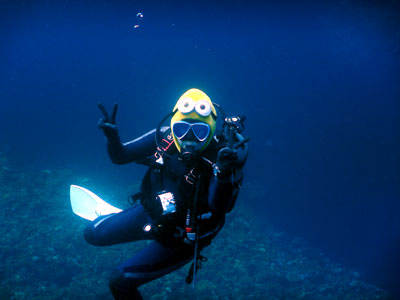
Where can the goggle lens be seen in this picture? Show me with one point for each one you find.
(200, 130)
(180, 129)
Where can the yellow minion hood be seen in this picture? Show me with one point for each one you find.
(195, 105)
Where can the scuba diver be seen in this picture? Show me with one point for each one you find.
(193, 180)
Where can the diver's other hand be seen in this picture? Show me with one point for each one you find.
(107, 123)
(226, 159)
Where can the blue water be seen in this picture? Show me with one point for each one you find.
(318, 82)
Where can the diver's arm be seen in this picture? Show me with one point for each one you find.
(219, 194)
(137, 150)
(224, 186)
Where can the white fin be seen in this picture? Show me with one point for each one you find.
(88, 205)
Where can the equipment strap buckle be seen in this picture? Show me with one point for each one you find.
(191, 177)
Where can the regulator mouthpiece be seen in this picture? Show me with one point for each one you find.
(189, 152)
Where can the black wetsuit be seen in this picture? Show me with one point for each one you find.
(168, 251)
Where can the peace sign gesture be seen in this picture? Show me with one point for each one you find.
(106, 118)
(107, 123)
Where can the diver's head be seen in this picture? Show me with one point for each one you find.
(193, 123)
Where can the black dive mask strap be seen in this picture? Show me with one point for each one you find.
(158, 130)
(220, 109)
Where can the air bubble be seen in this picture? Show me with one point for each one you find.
(139, 18)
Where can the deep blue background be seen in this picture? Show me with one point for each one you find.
(319, 84)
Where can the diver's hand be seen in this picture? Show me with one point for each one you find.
(107, 123)
(225, 160)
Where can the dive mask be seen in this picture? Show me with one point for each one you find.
(200, 130)
(193, 122)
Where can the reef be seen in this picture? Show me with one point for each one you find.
(44, 255)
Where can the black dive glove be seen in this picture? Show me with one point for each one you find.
(107, 123)
(225, 162)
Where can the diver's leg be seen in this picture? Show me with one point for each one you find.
(150, 263)
(126, 226)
